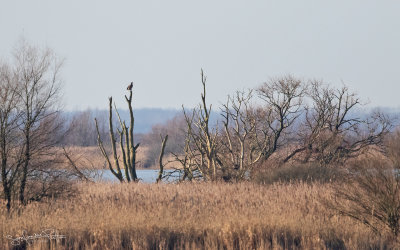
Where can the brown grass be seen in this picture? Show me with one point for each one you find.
(197, 215)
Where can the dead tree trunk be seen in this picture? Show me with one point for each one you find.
(160, 173)
(128, 150)
(201, 150)
(131, 147)
(117, 171)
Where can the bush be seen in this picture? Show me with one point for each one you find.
(371, 194)
(310, 172)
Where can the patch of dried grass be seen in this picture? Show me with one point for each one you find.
(192, 215)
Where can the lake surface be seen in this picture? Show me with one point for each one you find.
(145, 175)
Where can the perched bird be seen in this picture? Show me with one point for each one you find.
(130, 86)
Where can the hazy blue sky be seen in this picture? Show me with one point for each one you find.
(161, 46)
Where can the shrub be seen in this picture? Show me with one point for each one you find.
(371, 194)
(310, 172)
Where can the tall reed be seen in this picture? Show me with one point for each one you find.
(191, 216)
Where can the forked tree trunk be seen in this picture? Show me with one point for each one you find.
(128, 150)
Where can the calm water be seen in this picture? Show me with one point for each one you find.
(145, 175)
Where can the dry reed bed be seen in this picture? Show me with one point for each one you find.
(192, 215)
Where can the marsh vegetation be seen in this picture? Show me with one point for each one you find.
(192, 216)
(292, 164)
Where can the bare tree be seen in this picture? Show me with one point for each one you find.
(250, 134)
(324, 130)
(240, 152)
(332, 131)
(38, 76)
(201, 150)
(284, 99)
(10, 153)
(30, 126)
(128, 150)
